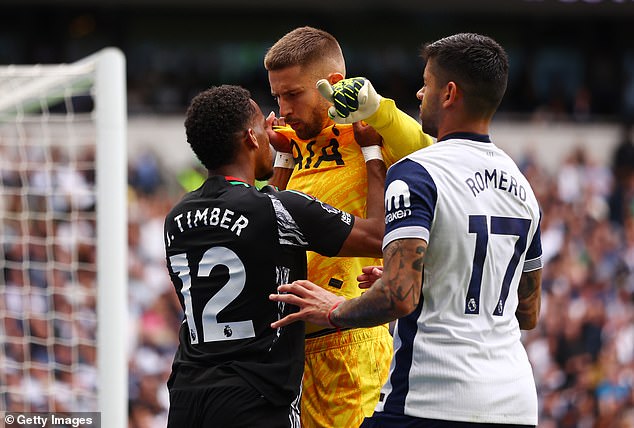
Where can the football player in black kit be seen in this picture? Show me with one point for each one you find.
(228, 246)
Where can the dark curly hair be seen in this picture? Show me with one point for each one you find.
(214, 118)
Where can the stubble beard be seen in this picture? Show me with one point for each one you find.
(316, 123)
(309, 130)
(429, 125)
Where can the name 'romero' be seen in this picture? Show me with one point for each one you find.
(495, 179)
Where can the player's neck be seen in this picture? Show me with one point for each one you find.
(480, 127)
(235, 171)
(242, 167)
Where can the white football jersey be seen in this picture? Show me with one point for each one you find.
(458, 356)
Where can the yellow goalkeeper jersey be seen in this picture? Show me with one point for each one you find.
(331, 168)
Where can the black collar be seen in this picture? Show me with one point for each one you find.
(482, 138)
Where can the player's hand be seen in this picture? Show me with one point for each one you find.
(365, 135)
(353, 99)
(369, 276)
(279, 142)
(313, 301)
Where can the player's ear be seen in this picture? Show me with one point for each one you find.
(251, 139)
(335, 77)
(450, 94)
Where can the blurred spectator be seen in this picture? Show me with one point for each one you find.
(144, 173)
(622, 198)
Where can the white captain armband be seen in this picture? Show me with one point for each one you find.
(284, 160)
(371, 152)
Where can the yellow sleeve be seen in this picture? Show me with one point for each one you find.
(401, 133)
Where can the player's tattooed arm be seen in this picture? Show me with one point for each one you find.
(393, 296)
(402, 272)
(529, 294)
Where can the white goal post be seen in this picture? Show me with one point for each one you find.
(63, 238)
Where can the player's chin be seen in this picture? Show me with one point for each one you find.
(302, 131)
(297, 127)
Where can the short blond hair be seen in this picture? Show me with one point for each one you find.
(306, 46)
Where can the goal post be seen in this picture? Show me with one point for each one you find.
(63, 237)
(112, 272)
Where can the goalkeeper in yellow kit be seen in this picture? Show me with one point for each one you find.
(344, 370)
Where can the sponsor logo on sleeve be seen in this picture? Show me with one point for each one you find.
(328, 208)
(346, 217)
(397, 201)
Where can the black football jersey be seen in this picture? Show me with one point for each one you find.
(229, 246)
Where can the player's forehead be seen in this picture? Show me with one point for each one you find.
(290, 79)
(428, 71)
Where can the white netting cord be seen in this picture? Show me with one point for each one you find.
(22, 86)
(48, 241)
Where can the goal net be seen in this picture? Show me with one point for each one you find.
(63, 238)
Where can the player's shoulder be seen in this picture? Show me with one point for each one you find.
(454, 153)
(418, 157)
(286, 131)
(302, 203)
(187, 199)
(287, 196)
(343, 132)
(222, 191)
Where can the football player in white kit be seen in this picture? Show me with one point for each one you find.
(462, 260)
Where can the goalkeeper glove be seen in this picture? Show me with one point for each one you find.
(353, 99)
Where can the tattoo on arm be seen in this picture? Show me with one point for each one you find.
(396, 293)
(527, 288)
(418, 263)
(529, 293)
(404, 264)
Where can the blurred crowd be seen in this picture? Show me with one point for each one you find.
(48, 289)
(582, 350)
(583, 347)
(575, 65)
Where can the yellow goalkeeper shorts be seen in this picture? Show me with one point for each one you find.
(343, 375)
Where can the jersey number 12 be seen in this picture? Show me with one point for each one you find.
(212, 329)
